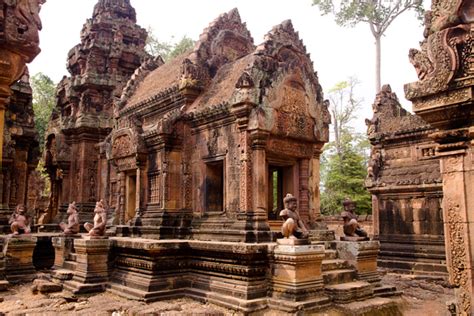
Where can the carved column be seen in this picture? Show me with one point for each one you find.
(458, 203)
(313, 186)
(259, 167)
(304, 189)
(138, 199)
(443, 97)
(376, 216)
(121, 198)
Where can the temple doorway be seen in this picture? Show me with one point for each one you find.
(215, 187)
(131, 196)
(280, 182)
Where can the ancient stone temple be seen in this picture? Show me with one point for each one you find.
(111, 48)
(21, 149)
(203, 151)
(405, 182)
(443, 98)
(204, 141)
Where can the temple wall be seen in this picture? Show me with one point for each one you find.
(20, 152)
(405, 183)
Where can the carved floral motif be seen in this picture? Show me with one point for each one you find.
(122, 146)
(458, 264)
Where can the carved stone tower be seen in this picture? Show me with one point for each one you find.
(111, 48)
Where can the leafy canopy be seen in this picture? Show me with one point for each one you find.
(167, 50)
(378, 13)
(344, 175)
(44, 100)
(344, 161)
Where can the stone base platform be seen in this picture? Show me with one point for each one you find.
(246, 277)
(349, 292)
(229, 274)
(91, 273)
(371, 307)
(19, 258)
(362, 255)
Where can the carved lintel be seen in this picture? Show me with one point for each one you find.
(451, 141)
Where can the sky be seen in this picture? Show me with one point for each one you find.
(337, 52)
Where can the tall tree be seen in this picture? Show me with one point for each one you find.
(344, 175)
(44, 99)
(344, 161)
(378, 14)
(343, 108)
(166, 50)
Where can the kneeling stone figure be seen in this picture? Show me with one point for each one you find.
(293, 227)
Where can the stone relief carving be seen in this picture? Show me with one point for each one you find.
(458, 263)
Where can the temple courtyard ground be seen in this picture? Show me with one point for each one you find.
(421, 296)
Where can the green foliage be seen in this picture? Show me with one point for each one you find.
(182, 46)
(375, 12)
(167, 50)
(44, 100)
(344, 161)
(344, 175)
(379, 14)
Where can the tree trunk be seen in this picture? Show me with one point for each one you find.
(378, 59)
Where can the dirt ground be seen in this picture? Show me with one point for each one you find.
(421, 296)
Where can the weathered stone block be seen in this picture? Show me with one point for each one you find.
(19, 258)
(45, 286)
(362, 255)
(91, 270)
(297, 280)
(63, 247)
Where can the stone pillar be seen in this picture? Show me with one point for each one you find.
(303, 199)
(376, 216)
(259, 167)
(457, 169)
(138, 200)
(362, 255)
(245, 172)
(91, 274)
(19, 258)
(297, 281)
(313, 186)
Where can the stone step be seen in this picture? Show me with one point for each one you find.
(339, 276)
(330, 254)
(386, 291)
(62, 274)
(83, 288)
(370, 307)
(72, 256)
(334, 264)
(70, 265)
(427, 268)
(349, 292)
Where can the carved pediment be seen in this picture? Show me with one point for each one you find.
(127, 142)
(122, 146)
(225, 40)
